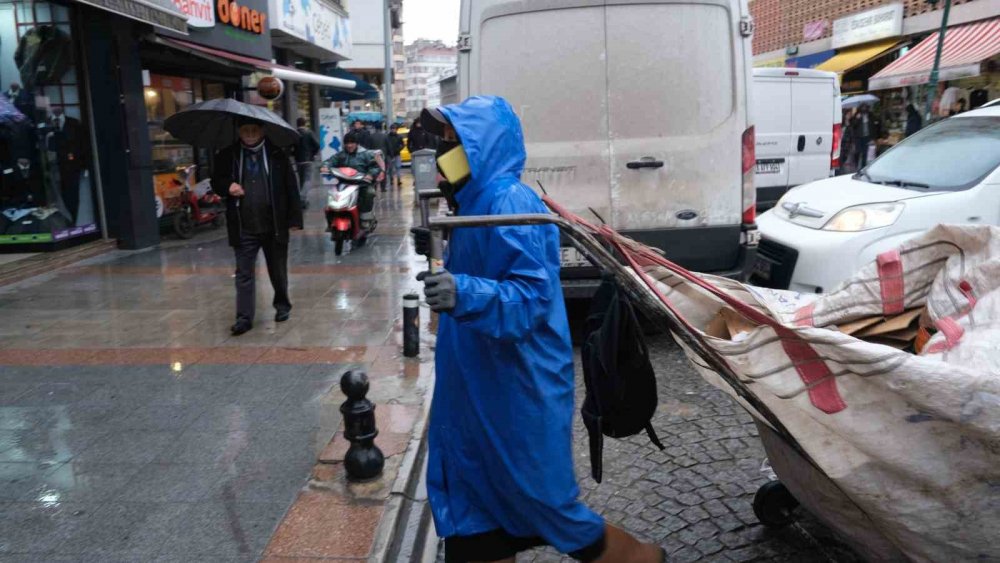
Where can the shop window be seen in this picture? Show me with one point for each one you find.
(176, 164)
(46, 194)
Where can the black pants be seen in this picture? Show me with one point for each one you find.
(861, 152)
(69, 188)
(276, 256)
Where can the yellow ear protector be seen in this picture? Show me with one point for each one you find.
(454, 165)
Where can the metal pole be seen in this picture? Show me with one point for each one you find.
(933, 83)
(387, 76)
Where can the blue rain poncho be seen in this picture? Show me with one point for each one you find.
(500, 438)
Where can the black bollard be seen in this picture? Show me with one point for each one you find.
(363, 460)
(411, 325)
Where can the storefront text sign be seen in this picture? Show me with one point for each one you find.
(880, 23)
(200, 13)
(242, 17)
(314, 21)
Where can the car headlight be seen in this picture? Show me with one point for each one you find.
(865, 217)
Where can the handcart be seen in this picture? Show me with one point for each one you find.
(847, 467)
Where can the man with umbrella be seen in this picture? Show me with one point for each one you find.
(257, 180)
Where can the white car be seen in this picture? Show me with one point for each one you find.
(823, 232)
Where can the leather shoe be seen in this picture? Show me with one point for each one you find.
(241, 327)
(282, 316)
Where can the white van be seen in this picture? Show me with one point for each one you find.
(636, 112)
(797, 115)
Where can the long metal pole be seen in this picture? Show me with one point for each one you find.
(387, 76)
(933, 83)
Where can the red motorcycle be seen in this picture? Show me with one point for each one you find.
(346, 188)
(197, 210)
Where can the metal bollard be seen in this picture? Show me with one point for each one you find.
(364, 460)
(411, 325)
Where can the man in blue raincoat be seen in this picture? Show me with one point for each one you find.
(500, 472)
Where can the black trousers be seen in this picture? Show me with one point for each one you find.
(69, 188)
(276, 256)
(861, 152)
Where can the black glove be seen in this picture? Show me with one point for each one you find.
(421, 240)
(440, 290)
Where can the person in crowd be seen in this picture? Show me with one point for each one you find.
(846, 142)
(380, 142)
(864, 128)
(418, 139)
(500, 472)
(395, 161)
(262, 206)
(362, 133)
(305, 155)
(913, 120)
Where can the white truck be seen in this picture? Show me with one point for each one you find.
(633, 112)
(797, 114)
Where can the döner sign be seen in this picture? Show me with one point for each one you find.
(242, 17)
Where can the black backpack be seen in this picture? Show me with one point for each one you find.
(621, 385)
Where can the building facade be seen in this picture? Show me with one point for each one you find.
(426, 63)
(368, 46)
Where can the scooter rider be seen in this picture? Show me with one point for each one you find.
(500, 467)
(353, 156)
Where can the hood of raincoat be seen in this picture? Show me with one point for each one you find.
(491, 135)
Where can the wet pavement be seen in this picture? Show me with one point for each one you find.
(133, 427)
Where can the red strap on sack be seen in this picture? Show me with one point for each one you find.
(812, 370)
(804, 316)
(952, 332)
(966, 288)
(890, 277)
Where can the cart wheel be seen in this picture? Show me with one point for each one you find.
(219, 221)
(338, 244)
(184, 225)
(774, 505)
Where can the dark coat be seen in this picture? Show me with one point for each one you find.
(874, 127)
(395, 144)
(284, 190)
(308, 146)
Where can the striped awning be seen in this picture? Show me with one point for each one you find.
(965, 49)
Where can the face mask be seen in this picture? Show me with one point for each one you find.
(453, 164)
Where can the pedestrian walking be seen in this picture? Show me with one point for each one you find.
(379, 142)
(864, 128)
(262, 205)
(418, 139)
(913, 120)
(362, 133)
(305, 157)
(500, 471)
(395, 147)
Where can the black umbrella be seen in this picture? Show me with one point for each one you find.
(214, 124)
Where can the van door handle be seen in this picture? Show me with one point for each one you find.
(645, 162)
(802, 143)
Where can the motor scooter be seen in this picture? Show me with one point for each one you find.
(199, 205)
(346, 187)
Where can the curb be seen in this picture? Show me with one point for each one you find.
(403, 494)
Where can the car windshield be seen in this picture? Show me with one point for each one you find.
(952, 155)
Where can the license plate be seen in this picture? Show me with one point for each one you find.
(769, 167)
(570, 257)
(762, 269)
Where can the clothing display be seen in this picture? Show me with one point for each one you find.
(43, 56)
(68, 141)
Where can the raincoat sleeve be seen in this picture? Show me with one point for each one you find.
(514, 304)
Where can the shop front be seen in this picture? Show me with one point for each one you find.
(47, 197)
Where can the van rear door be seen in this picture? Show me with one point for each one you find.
(772, 113)
(675, 128)
(554, 73)
(812, 129)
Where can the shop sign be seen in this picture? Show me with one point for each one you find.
(237, 26)
(880, 23)
(313, 21)
(815, 30)
(200, 13)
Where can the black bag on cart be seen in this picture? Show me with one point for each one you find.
(621, 385)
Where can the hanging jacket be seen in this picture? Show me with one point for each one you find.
(43, 56)
(500, 435)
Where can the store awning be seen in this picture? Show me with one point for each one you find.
(158, 13)
(809, 61)
(965, 49)
(363, 90)
(853, 57)
(282, 72)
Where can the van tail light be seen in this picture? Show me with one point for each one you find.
(749, 192)
(838, 135)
